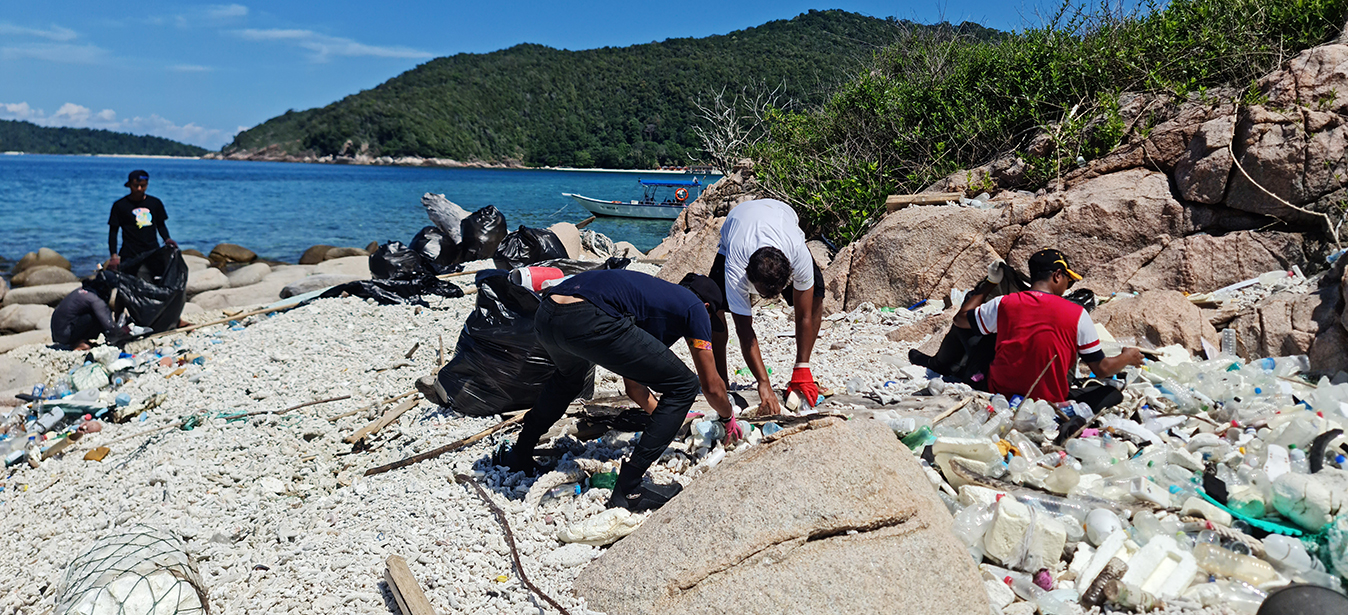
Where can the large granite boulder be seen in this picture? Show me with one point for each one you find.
(16, 377)
(832, 516)
(569, 235)
(285, 274)
(1158, 318)
(18, 318)
(51, 294)
(249, 274)
(43, 275)
(10, 342)
(44, 257)
(195, 263)
(316, 282)
(315, 254)
(714, 202)
(343, 252)
(262, 293)
(227, 253)
(4, 288)
(350, 265)
(696, 254)
(1288, 323)
(202, 280)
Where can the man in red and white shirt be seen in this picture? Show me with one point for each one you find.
(1040, 335)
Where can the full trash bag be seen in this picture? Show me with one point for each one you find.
(151, 287)
(483, 230)
(392, 292)
(395, 261)
(527, 246)
(498, 364)
(439, 253)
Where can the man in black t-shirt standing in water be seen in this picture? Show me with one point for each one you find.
(139, 216)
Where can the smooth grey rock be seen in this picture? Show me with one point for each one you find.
(316, 282)
(10, 342)
(18, 318)
(43, 275)
(44, 257)
(195, 263)
(251, 274)
(351, 265)
(206, 279)
(50, 294)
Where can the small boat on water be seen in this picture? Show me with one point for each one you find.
(651, 205)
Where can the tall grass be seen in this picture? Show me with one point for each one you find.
(935, 103)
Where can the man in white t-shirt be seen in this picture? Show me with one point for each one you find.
(763, 252)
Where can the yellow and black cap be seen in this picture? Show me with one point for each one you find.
(1051, 260)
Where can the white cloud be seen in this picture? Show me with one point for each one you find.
(324, 47)
(190, 68)
(54, 52)
(71, 115)
(226, 11)
(56, 33)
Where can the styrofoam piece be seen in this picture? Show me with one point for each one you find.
(1184, 459)
(974, 495)
(1081, 559)
(981, 449)
(1145, 490)
(1002, 540)
(1279, 462)
(1161, 568)
(999, 594)
(1198, 507)
(1110, 547)
(943, 460)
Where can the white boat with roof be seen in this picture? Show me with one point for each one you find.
(652, 205)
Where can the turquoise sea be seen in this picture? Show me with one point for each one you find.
(278, 209)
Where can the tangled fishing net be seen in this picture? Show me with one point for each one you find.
(139, 571)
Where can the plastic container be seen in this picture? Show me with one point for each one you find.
(1217, 560)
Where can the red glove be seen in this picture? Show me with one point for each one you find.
(733, 431)
(170, 242)
(114, 261)
(802, 382)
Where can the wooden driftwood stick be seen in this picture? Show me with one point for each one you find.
(584, 223)
(223, 320)
(412, 351)
(382, 422)
(953, 409)
(896, 202)
(373, 405)
(433, 453)
(411, 600)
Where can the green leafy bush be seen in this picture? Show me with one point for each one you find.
(937, 102)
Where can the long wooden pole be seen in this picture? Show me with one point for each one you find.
(453, 446)
(222, 320)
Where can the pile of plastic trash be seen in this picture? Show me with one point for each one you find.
(1213, 483)
(58, 413)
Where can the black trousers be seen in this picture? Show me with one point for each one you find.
(579, 335)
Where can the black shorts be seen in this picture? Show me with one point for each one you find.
(717, 275)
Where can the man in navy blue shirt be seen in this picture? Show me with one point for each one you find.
(626, 321)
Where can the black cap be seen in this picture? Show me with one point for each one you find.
(136, 176)
(1051, 260)
(708, 292)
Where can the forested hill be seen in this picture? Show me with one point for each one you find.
(628, 107)
(19, 136)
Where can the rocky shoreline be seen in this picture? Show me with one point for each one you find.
(274, 154)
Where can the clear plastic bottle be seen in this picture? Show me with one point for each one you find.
(1023, 585)
(1217, 560)
(562, 491)
(1229, 343)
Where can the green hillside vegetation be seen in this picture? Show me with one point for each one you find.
(19, 136)
(629, 107)
(935, 103)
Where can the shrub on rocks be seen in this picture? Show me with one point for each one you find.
(42, 275)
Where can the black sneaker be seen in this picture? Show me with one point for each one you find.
(649, 496)
(504, 457)
(918, 358)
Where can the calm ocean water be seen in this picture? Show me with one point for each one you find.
(279, 209)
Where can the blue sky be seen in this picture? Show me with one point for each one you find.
(199, 73)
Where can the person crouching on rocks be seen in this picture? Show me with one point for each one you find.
(1040, 335)
(626, 321)
(83, 315)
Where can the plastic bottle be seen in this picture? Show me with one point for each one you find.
(1023, 585)
(1217, 560)
(1300, 464)
(47, 421)
(562, 491)
(1229, 343)
(1093, 457)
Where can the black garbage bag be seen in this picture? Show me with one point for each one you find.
(152, 287)
(439, 254)
(528, 246)
(395, 261)
(391, 292)
(483, 230)
(572, 266)
(498, 364)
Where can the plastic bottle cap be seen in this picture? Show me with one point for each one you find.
(1291, 447)
(1007, 580)
(1258, 390)
(999, 498)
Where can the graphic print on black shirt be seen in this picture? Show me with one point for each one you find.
(137, 222)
